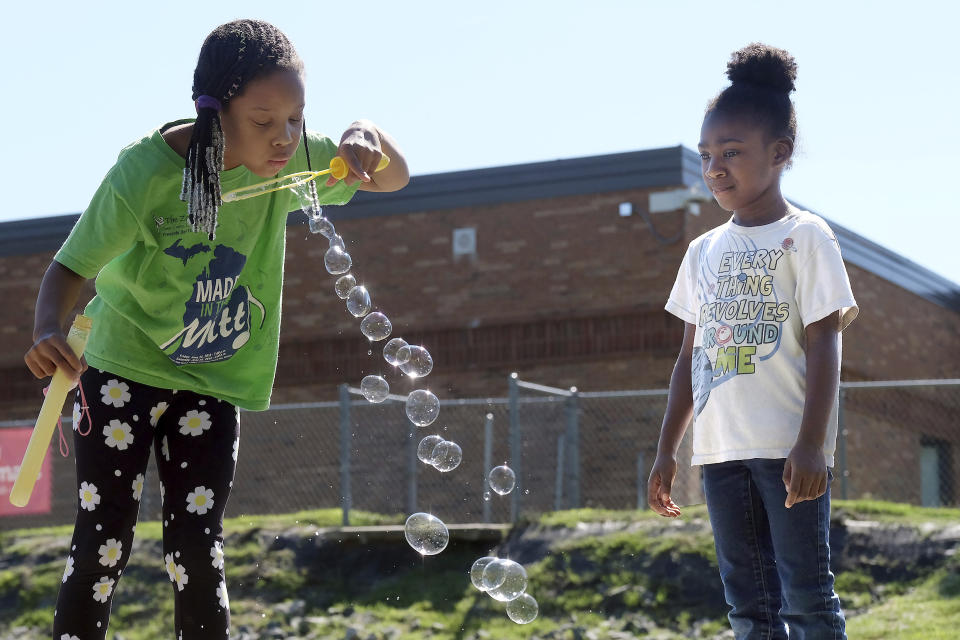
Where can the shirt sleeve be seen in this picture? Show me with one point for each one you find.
(682, 301)
(823, 286)
(106, 229)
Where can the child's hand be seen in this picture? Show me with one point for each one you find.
(360, 148)
(804, 474)
(50, 352)
(659, 486)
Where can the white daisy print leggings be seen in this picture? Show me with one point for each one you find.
(196, 439)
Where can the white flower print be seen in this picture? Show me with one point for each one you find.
(176, 571)
(103, 589)
(236, 448)
(115, 393)
(118, 434)
(216, 552)
(165, 449)
(137, 486)
(89, 498)
(77, 416)
(67, 636)
(110, 552)
(68, 571)
(222, 594)
(194, 423)
(200, 500)
(156, 412)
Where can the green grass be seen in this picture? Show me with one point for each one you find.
(894, 512)
(645, 577)
(929, 611)
(151, 529)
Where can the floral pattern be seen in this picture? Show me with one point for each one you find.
(194, 423)
(200, 500)
(119, 434)
(115, 393)
(89, 498)
(110, 552)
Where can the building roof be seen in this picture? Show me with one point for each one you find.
(648, 169)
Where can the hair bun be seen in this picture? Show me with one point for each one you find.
(763, 66)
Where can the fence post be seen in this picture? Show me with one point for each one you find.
(487, 462)
(515, 444)
(572, 410)
(412, 469)
(641, 482)
(558, 488)
(842, 443)
(345, 440)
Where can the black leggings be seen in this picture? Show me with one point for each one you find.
(196, 439)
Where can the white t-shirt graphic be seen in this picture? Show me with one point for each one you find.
(750, 291)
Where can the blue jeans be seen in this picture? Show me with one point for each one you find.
(774, 561)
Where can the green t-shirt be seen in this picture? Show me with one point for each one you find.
(173, 309)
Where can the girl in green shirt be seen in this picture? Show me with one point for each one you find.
(186, 317)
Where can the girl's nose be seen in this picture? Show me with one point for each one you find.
(286, 137)
(714, 168)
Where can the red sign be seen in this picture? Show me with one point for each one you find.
(13, 443)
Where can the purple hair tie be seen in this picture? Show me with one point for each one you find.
(208, 102)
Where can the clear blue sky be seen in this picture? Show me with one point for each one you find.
(467, 85)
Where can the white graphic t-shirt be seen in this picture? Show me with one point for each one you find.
(750, 291)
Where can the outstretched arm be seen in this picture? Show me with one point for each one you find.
(362, 145)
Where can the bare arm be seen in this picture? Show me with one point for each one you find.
(361, 146)
(59, 292)
(805, 471)
(675, 421)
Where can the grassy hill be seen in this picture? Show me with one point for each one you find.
(595, 574)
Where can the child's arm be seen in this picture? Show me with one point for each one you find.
(361, 146)
(805, 471)
(675, 421)
(59, 292)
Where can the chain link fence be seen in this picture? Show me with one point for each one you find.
(898, 441)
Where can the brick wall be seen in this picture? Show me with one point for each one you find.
(562, 290)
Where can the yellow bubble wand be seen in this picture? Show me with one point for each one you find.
(338, 169)
(60, 385)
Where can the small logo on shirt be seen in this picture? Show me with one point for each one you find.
(787, 245)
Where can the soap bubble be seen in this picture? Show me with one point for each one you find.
(337, 241)
(523, 609)
(337, 261)
(374, 388)
(358, 301)
(422, 407)
(502, 479)
(391, 351)
(426, 533)
(513, 584)
(493, 574)
(376, 326)
(416, 361)
(447, 456)
(476, 571)
(344, 284)
(322, 225)
(486, 496)
(426, 447)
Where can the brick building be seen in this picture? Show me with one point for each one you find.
(558, 270)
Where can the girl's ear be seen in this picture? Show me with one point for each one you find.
(782, 151)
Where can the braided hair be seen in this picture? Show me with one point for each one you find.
(232, 55)
(761, 81)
